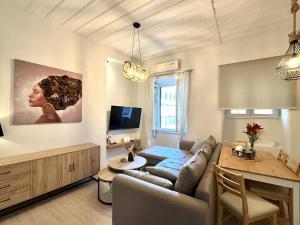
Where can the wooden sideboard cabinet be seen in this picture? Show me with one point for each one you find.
(27, 176)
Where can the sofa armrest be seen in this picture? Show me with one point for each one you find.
(137, 202)
(186, 145)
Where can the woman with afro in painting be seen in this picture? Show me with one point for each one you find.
(55, 93)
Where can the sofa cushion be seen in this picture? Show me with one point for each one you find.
(212, 141)
(190, 174)
(150, 178)
(172, 165)
(160, 153)
(206, 149)
(163, 172)
(186, 145)
(197, 145)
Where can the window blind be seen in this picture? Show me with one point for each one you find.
(254, 84)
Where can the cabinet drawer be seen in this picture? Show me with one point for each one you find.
(4, 200)
(14, 196)
(15, 184)
(7, 172)
(4, 188)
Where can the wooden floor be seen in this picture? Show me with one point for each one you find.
(78, 206)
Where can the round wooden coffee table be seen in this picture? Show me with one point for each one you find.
(116, 167)
(106, 176)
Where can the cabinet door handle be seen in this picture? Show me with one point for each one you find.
(5, 173)
(70, 168)
(5, 200)
(73, 166)
(5, 186)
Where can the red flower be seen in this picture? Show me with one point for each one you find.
(253, 129)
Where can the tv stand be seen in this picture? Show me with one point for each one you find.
(116, 145)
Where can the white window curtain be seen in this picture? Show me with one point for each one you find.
(183, 96)
(148, 115)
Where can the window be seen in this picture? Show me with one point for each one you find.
(165, 104)
(250, 113)
(168, 108)
(263, 111)
(237, 113)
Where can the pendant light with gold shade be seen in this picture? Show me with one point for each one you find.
(289, 66)
(133, 71)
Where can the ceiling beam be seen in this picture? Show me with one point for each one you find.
(142, 19)
(209, 13)
(78, 11)
(111, 7)
(54, 8)
(161, 11)
(124, 15)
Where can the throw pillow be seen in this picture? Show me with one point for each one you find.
(197, 145)
(150, 178)
(212, 141)
(162, 172)
(190, 174)
(206, 149)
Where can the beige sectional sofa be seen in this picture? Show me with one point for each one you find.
(170, 196)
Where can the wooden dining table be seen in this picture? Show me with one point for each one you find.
(264, 168)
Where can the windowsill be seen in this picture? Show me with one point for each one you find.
(166, 131)
(253, 117)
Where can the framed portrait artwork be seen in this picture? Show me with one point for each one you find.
(46, 95)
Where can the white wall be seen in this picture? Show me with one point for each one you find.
(273, 133)
(165, 139)
(205, 116)
(294, 124)
(96, 98)
(122, 92)
(26, 37)
(205, 119)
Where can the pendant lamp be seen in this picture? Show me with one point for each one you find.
(133, 71)
(289, 66)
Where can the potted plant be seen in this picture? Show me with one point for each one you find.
(253, 131)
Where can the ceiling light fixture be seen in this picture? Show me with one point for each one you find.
(133, 71)
(289, 66)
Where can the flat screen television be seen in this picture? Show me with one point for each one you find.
(122, 117)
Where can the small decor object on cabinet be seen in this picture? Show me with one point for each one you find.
(126, 139)
(242, 153)
(123, 159)
(108, 140)
(253, 131)
(130, 153)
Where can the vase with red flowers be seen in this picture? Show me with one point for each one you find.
(253, 130)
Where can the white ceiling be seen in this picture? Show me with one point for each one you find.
(167, 25)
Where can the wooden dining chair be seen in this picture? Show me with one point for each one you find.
(277, 193)
(293, 165)
(282, 156)
(244, 205)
